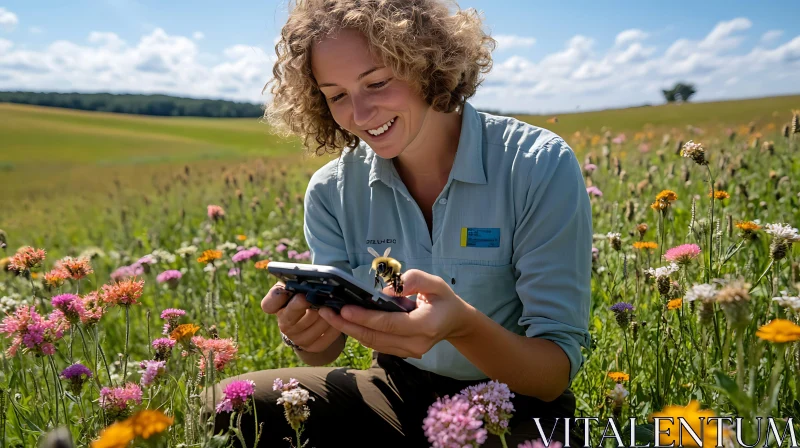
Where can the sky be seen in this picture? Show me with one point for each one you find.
(551, 56)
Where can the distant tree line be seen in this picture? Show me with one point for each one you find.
(161, 105)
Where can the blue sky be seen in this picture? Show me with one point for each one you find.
(553, 56)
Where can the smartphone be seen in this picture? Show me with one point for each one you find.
(333, 287)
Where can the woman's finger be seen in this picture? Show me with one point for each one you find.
(275, 299)
(416, 281)
(323, 342)
(306, 321)
(310, 334)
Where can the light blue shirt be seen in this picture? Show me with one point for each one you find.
(512, 231)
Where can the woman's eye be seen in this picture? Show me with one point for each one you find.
(380, 84)
(336, 98)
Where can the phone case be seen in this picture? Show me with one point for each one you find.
(333, 287)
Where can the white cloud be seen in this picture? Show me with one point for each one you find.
(507, 41)
(8, 20)
(197, 35)
(721, 37)
(629, 36)
(158, 63)
(35, 30)
(631, 73)
(771, 35)
(579, 75)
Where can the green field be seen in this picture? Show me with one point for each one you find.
(120, 189)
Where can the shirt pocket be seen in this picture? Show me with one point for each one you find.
(488, 288)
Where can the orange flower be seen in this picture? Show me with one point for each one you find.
(666, 196)
(147, 422)
(694, 418)
(674, 304)
(645, 245)
(144, 424)
(619, 376)
(779, 331)
(78, 268)
(118, 435)
(209, 255)
(262, 264)
(183, 332)
(747, 226)
(241, 237)
(720, 194)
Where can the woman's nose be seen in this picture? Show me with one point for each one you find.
(363, 110)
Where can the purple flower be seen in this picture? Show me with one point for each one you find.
(236, 395)
(117, 401)
(69, 304)
(539, 444)
(172, 276)
(493, 400)
(163, 348)
(151, 371)
(233, 272)
(589, 168)
(622, 311)
(76, 374)
(246, 254)
(454, 423)
(280, 248)
(123, 272)
(594, 191)
(172, 313)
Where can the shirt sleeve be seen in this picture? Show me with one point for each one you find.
(321, 226)
(552, 250)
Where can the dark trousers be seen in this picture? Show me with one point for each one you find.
(383, 406)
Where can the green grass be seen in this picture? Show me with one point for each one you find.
(714, 115)
(68, 202)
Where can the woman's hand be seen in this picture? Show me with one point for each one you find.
(440, 314)
(302, 325)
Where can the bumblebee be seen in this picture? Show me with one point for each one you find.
(386, 269)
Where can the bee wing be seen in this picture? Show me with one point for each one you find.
(373, 252)
(386, 252)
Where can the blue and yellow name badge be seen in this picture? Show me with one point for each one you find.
(480, 237)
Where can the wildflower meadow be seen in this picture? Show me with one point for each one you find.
(116, 317)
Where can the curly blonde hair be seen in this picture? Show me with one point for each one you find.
(441, 55)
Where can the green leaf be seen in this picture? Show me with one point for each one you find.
(218, 441)
(742, 402)
(643, 434)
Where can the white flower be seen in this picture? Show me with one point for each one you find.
(227, 246)
(783, 232)
(703, 291)
(163, 256)
(186, 251)
(610, 235)
(788, 302)
(663, 271)
(295, 397)
(618, 394)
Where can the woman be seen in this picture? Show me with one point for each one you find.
(489, 217)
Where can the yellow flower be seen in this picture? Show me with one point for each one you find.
(645, 245)
(34, 275)
(720, 194)
(146, 423)
(691, 415)
(747, 226)
(118, 435)
(4, 263)
(666, 196)
(183, 332)
(619, 376)
(209, 255)
(241, 237)
(779, 331)
(674, 304)
(262, 264)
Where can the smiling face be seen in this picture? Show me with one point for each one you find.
(365, 97)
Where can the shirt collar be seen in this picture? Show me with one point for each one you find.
(467, 166)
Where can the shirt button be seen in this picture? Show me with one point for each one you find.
(443, 201)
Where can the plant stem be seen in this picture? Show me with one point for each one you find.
(127, 336)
